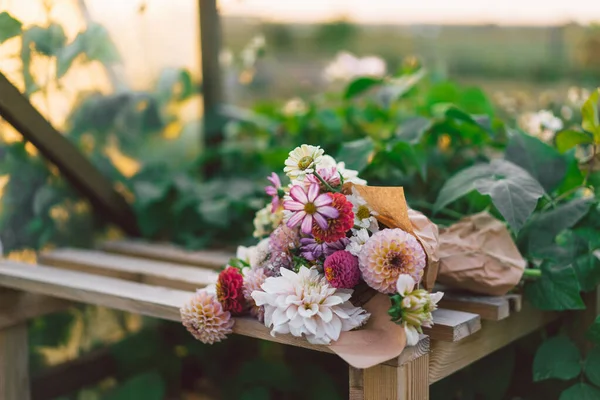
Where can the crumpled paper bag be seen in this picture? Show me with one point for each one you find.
(376, 342)
(390, 204)
(478, 254)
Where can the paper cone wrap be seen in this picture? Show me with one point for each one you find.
(478, 254)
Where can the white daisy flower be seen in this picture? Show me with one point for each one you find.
(358, 239)
(302, 160)
(304, 303)
(364, 216)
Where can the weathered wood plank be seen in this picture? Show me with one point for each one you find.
(493, 308)
(168, 252)
(452, 326)
(406, 382)
(78, 170)
(447, 358)
(14, 363)
(18, 307)
(158, 273)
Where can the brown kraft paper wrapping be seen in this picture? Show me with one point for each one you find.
(478, 254)
(390, 204)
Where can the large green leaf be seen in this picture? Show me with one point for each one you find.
(557, 357)
(593, 332)
(460, 184)
(148, 386)
(580, 391)
(592, 366)
(541, 231)
(413, 129)
(357, 154)
(361, 85)
(589, 114)
(48, 41)
(557, 289)
(585, 258)
(566, 140)
(542, 161)
(9, 27)
(95, 43)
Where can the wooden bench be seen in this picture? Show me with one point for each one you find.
(157, 279)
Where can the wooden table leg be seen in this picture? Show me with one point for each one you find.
(409, 381)
(14, 363)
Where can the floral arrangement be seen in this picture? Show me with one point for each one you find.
(320, 239)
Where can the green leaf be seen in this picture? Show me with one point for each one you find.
(9, 27)
(412, 130)
(585, 260)
(557, 357)
(460, 184)
(542, 161)
(589, 114)
(48, 41)
(95, 43)
(361, 85)
(357, 154)
(593, 332)
(45, 197)
(148, 386)
(566, 140)
(557, 289)
(543, 228)
(174, 83)
(479, 121)
(592, 366)
(580, 391)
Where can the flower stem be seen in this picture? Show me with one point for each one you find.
(327, 185)
(532, 273)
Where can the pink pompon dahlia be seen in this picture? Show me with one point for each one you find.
(341, 270)
(336, 228)
(205, 318)
(308, 207)
(274, 191)
(230, 290)
(388, 254)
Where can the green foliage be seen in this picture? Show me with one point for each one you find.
(566, 140)
(580, 391)
(358, 153)
(9, 27)
(149, 386)
(47, 41)
(593, 332)
(589, 113)
(557, 358)
(592, 366)
(557, 289)
(361, 85)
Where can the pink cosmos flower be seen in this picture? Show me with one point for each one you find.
(308, 205)
(274, 191)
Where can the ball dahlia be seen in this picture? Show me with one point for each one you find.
(205, 318)
(388, 254)
(341, 270)
(230, 290)
(336, 227)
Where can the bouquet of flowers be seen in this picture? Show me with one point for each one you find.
(323, 237)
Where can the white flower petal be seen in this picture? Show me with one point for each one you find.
(405, 284)
(412, 335)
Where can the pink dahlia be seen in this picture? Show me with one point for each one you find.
(336, 228)
(253, 279)
(308, 207)
(341, 270)
(275, 191)
(388, 254)
(284, 239)
(205, 318)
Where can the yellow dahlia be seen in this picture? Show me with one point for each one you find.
(388, 254)
(205, 319)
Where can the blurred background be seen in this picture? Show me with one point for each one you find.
(122, 80)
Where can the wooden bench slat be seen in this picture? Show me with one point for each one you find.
(168, 252)
(130, 268)
(18, 307)
(492, 308)
(452, 325)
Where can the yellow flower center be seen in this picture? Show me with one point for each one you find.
(363, 212)
(329, 274)
(310, 208)
(305, 162)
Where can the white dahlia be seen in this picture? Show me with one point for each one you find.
(304, 303)
(302, 160)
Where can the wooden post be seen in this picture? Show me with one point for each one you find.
(14, 363)
(409, 381)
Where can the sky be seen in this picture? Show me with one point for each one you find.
(505, 12)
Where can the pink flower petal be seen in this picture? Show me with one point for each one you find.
(307, 224)
(323, 200)
(328, 212)
(298, 194)
(296, 218)
(320, 220)
(313, 192)
(271, 191)
(274, 179)
(293, 205)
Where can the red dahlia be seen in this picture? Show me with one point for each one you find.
(336, 227)
(230, 290)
